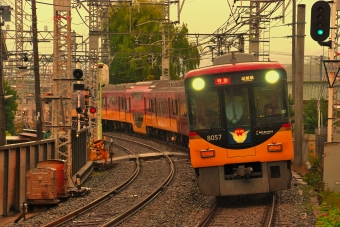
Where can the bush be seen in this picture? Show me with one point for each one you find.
(314, 176)
(330, 215)
(330, 206)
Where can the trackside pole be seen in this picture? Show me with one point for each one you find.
(331, 77)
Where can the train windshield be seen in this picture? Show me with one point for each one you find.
(204, 110)
(237, 107)
(270, 104)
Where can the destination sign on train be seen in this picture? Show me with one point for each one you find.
(220, 81)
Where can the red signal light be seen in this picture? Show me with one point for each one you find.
(93, 110)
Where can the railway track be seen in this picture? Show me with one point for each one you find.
(180, 204)
(239, 213)
(83, 216)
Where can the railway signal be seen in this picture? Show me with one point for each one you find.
(93, 110)
(77, 74)
(79, 110)
(320, 21)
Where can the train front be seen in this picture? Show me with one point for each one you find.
(240, 135)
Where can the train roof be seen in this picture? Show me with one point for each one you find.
(172, 85)
(145, 85)
(234, 67)
(118, 87)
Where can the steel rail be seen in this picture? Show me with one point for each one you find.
(101, 199)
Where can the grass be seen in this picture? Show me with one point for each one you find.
(330, 201)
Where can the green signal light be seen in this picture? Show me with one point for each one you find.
(320, 32)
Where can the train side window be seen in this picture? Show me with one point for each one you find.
(114, 102)
(152, 105)
(127, 104)
(122, 103)
(162, 105)
(147, 105)
(174, 107)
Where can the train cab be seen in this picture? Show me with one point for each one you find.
(233, 136)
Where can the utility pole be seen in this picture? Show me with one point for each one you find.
(298, 126)
(166, 41)
(2, 90)
(36, 72)
(293, 48)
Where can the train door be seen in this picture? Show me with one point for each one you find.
(122, 108)
(238, 120)
(182, 115)
(174, 114)
(153, 111)
(128, 110)
(148, 111)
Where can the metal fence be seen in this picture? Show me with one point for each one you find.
(17, 159)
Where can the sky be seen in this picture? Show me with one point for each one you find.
(204, 17)
(201, 16)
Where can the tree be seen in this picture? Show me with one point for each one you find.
(11, 107)
(138, 55)
(310, 114)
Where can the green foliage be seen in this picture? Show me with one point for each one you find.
(19, 127)
(138, 49)
(314, 175)
(310, 114)
(330, 215)
(331, 198)
(10, 108)
(330, 212)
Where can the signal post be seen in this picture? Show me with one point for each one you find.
(322, 24)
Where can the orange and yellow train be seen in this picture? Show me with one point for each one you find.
(234, 116)
(154, 108)
(239, 129)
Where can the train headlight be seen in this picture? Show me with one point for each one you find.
(272, 76)
(198, 84)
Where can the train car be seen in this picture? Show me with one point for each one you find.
(116, 107)
(168, 113)
(155, 108)
(237, 145)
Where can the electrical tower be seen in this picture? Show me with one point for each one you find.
(19, 57)
(62, 82)
(92, 70)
